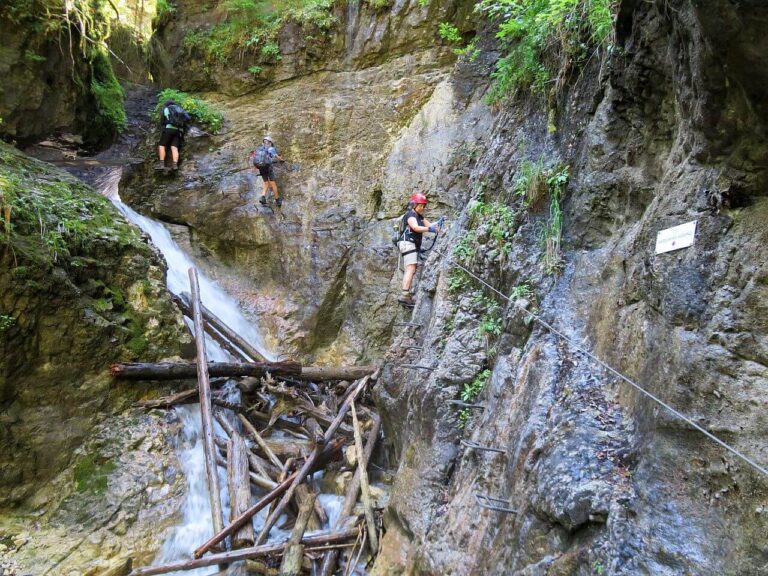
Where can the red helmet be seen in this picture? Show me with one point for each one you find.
(418, 198)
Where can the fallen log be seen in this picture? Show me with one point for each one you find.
(185, 370)
(301, 475)
(251, 429)
(294, 551)
(169, 401)
(350, 497)
(226, 331)
(322, 373)
(330, 452)
(201, 370)
(373, 540)
(322, 539)
(239, 489)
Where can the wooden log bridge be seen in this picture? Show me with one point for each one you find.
(188, 370)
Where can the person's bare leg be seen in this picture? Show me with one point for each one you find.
(175, 154)
(275, 193)
(410, 272)
(161, 153)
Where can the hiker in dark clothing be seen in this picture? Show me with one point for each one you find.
(173, 120)
(263, 159)
(412, 226)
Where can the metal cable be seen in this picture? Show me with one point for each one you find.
(621, 376)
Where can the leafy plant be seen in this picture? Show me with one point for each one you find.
(544, 40)
(164, 8)
(198, 108)
(531, 182)
(6, 321)
(466, 247)
(553, 230)
(251, 26)
(521, 291)
(255, 70)
(458, 281)
(469, 393)
(450, 33)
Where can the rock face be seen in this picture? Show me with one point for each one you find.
(319, 273)
(603, 480)
(80, 290)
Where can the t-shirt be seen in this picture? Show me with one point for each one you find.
(408, 234)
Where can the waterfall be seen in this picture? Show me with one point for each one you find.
(196, 526)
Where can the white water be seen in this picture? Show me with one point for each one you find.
(196, 525)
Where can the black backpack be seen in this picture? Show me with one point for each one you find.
(178, 116)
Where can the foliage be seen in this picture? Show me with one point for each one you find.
(423, 3)
(544, 39)
(48, 217)
(470, 392)
(496, 218)
(6, 321)
(465, 248)
(198, 108)
(491, 321)
(164, 8)
(109, 96)
(255, 70)
(521, 291)
(91, 475)
(458, 281)
(553, 230)
(531, 182)
(251, 27)
(449, 33)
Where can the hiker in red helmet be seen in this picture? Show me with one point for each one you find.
(412, 226)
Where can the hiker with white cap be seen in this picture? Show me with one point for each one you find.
(263, 158)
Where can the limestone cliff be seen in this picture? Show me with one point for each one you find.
(669, 129)
(80, 289)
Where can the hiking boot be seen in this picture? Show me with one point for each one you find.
(174, 166)
(406, 300)
(279, 202)
(263, 200)
(159, 165)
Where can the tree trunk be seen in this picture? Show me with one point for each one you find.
(239, 489)
(350, 498)
(323, 539)
(225, 330)
(184, 370)
(205, 408)
(294, 551)
(331, 451)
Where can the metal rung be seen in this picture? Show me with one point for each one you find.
(407, 324)
(490, 503)
(417, 366)
(465, 405)
(476, 446)
(413, 348)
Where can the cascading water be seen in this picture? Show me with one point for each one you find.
(196, 526)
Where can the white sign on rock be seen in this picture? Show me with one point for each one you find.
(677, 237)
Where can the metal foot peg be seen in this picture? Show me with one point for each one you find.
(461, 404)
(416, 366)
(476, 446)
(495, 504)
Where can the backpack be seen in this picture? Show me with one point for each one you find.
(261, 157)
(178, 116)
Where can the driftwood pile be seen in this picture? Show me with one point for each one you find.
(319, 408)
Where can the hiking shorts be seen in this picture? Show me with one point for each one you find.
(413, 256)
(267, 173)
(170, 137)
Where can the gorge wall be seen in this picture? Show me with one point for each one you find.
(667, 127)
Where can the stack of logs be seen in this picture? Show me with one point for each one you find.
(309, 403)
